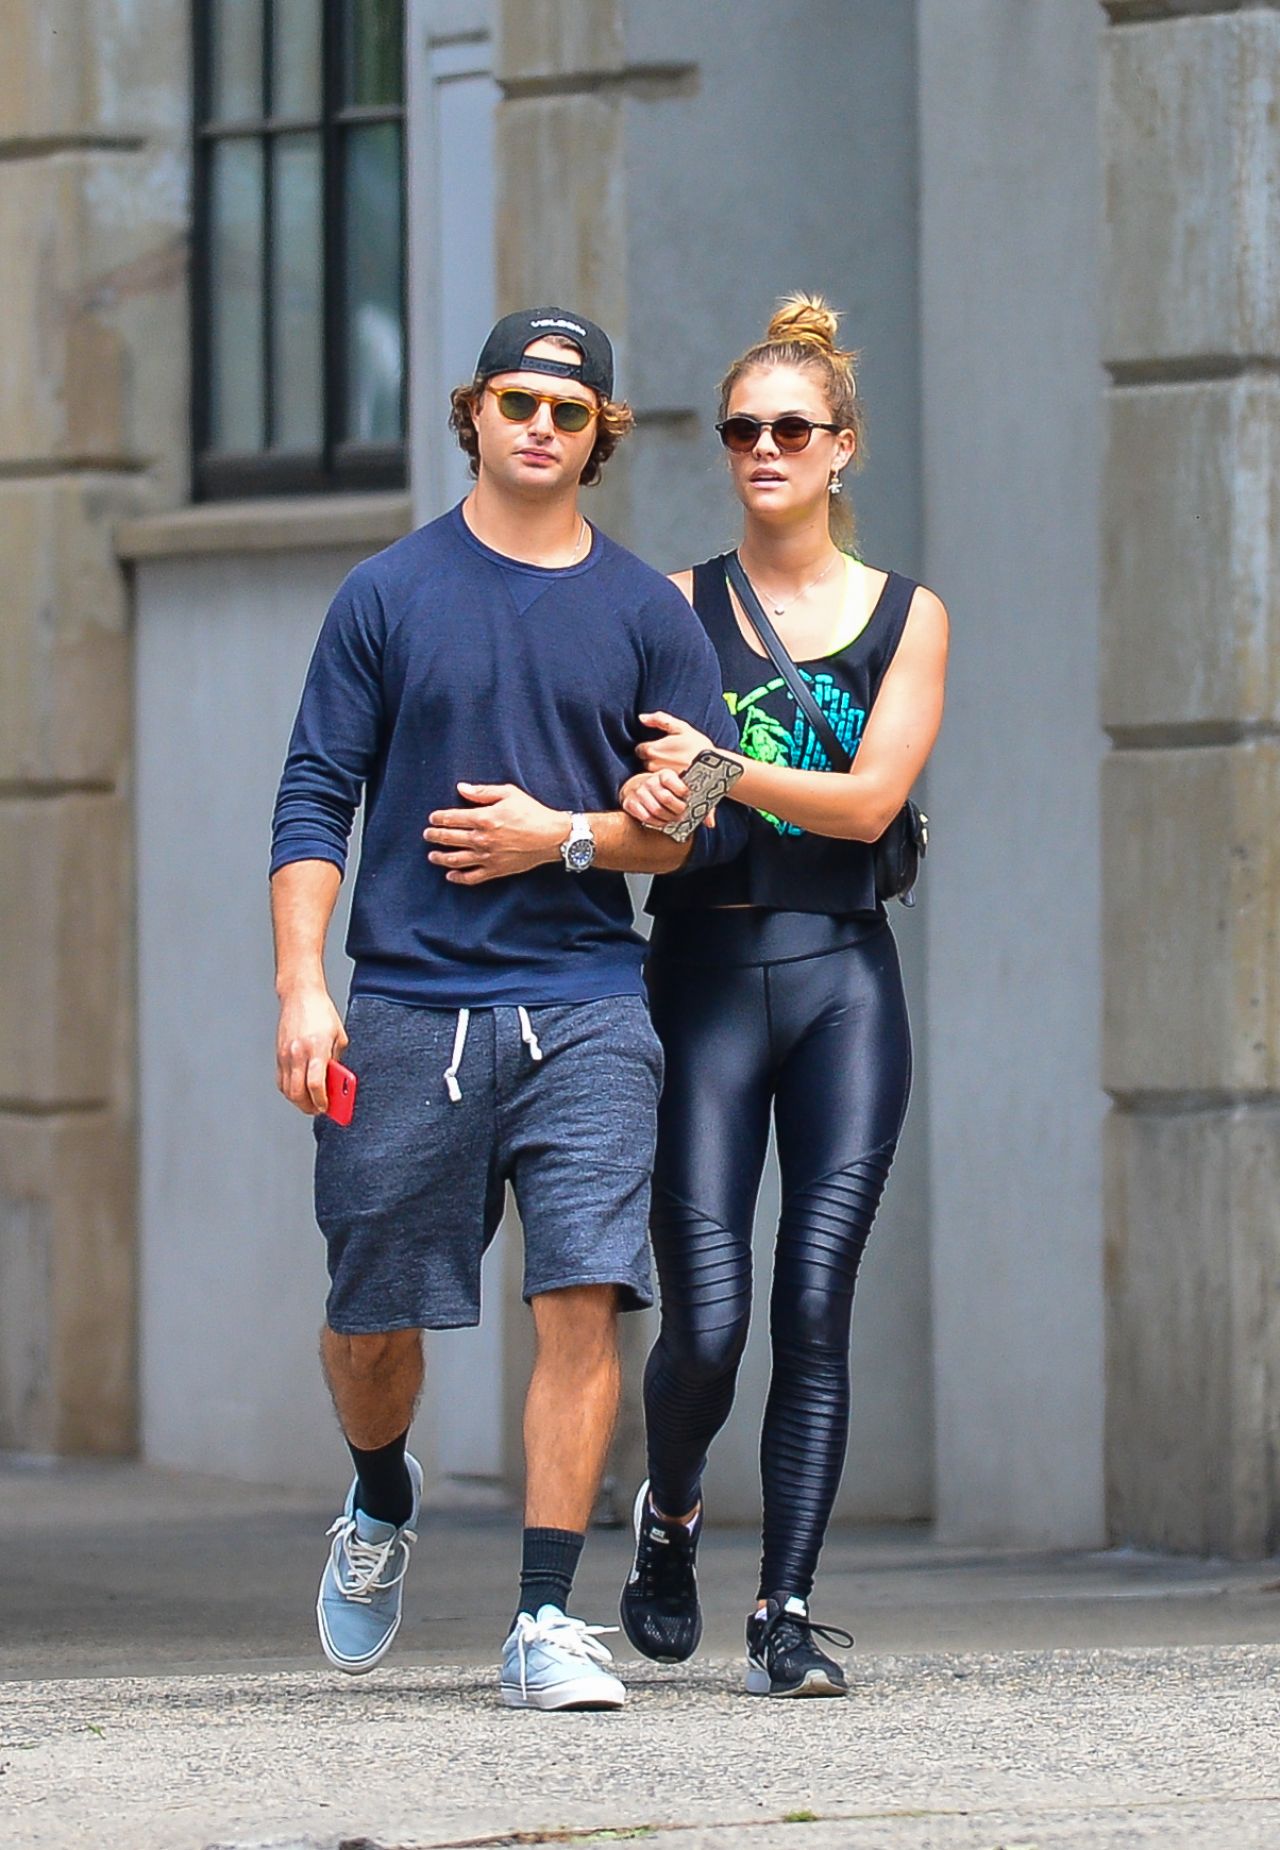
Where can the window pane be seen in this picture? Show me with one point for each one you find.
(375, 56)
(235, 274)
(297, 369)
(236, 42)
(295, 58)
(375, 344)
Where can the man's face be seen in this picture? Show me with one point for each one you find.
(531, 455)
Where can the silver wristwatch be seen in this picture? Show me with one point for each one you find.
(578, 850)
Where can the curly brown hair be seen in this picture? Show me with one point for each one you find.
(614, 421)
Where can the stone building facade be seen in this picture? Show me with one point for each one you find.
(1055, 227)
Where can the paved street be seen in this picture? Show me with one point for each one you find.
(161, 1689)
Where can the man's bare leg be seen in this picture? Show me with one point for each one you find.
(572, 1404)
(569, 1417)
(375, 1382)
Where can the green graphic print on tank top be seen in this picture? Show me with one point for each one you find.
(774, 730)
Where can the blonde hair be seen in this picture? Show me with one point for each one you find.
(802, 332)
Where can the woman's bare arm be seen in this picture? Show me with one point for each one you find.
(899, 736)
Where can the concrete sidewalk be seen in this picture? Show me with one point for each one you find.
(162, 1688)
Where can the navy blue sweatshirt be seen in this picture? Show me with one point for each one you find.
(440, 662)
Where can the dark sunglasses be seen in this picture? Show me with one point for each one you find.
(567, 414)
(791, 433)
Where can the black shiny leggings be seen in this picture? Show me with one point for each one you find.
(805, 1015)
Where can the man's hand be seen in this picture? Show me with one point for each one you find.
(676, 749)
(506, 832)
(310, 1035)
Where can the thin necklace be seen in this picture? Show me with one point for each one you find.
(575, 550)
(780, 610)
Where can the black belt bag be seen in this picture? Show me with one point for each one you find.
(902, 847)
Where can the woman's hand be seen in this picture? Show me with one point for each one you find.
(676, 749)
(654, 798)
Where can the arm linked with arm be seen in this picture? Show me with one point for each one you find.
(688, 682)
(860, 804)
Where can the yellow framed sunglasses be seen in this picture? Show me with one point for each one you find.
(570, 415)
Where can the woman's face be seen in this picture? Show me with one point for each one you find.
(769, 482)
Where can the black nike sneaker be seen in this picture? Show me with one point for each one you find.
(783, 1660)
(659, 1605)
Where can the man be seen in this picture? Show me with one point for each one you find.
(480, 682)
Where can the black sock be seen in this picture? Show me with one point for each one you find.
(548, 1560)
(384, 1489)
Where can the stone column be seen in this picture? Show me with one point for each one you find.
(94, 107)
(561, 218)
(1191, 787)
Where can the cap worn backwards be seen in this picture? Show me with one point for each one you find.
(505, 349)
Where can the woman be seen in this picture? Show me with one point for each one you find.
(774, 986)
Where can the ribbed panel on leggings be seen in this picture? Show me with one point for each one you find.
(690, 1375)
(822, 1237)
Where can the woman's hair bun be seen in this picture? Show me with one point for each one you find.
(807, 319)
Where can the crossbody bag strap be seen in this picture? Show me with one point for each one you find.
(753, 610)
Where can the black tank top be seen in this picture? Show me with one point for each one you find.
(783, 867)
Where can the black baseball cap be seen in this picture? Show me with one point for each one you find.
(504, 351)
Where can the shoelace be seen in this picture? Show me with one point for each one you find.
(366, 1561)
(806, 1630)
(663, 1558)
(573, 1636)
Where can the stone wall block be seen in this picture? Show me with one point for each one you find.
(1192, 220)
(1191, 883)
(67, 1383)
(94, 362)
(1191, 525)
(92, 68)
(569, 149)
(65, 979)
(1193, 1337)
(558, 38)
(64, 644)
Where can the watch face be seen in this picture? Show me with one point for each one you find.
(578, 855)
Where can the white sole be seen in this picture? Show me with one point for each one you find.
(816, 1683)
(354, 1666)
(581, 1693)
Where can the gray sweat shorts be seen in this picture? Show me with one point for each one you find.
(560, 1101)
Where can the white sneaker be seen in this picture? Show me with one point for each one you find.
(555, 1662)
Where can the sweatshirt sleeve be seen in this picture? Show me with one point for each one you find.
(684, 679)
(337, 733)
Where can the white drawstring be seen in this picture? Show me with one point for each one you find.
(459, 1042)
(527, 1034)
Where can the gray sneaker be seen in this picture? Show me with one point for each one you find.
(555, 1662)
(362, 1587)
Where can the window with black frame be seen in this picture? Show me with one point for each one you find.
(300, 365)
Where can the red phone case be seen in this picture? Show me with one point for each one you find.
(340, 1087)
